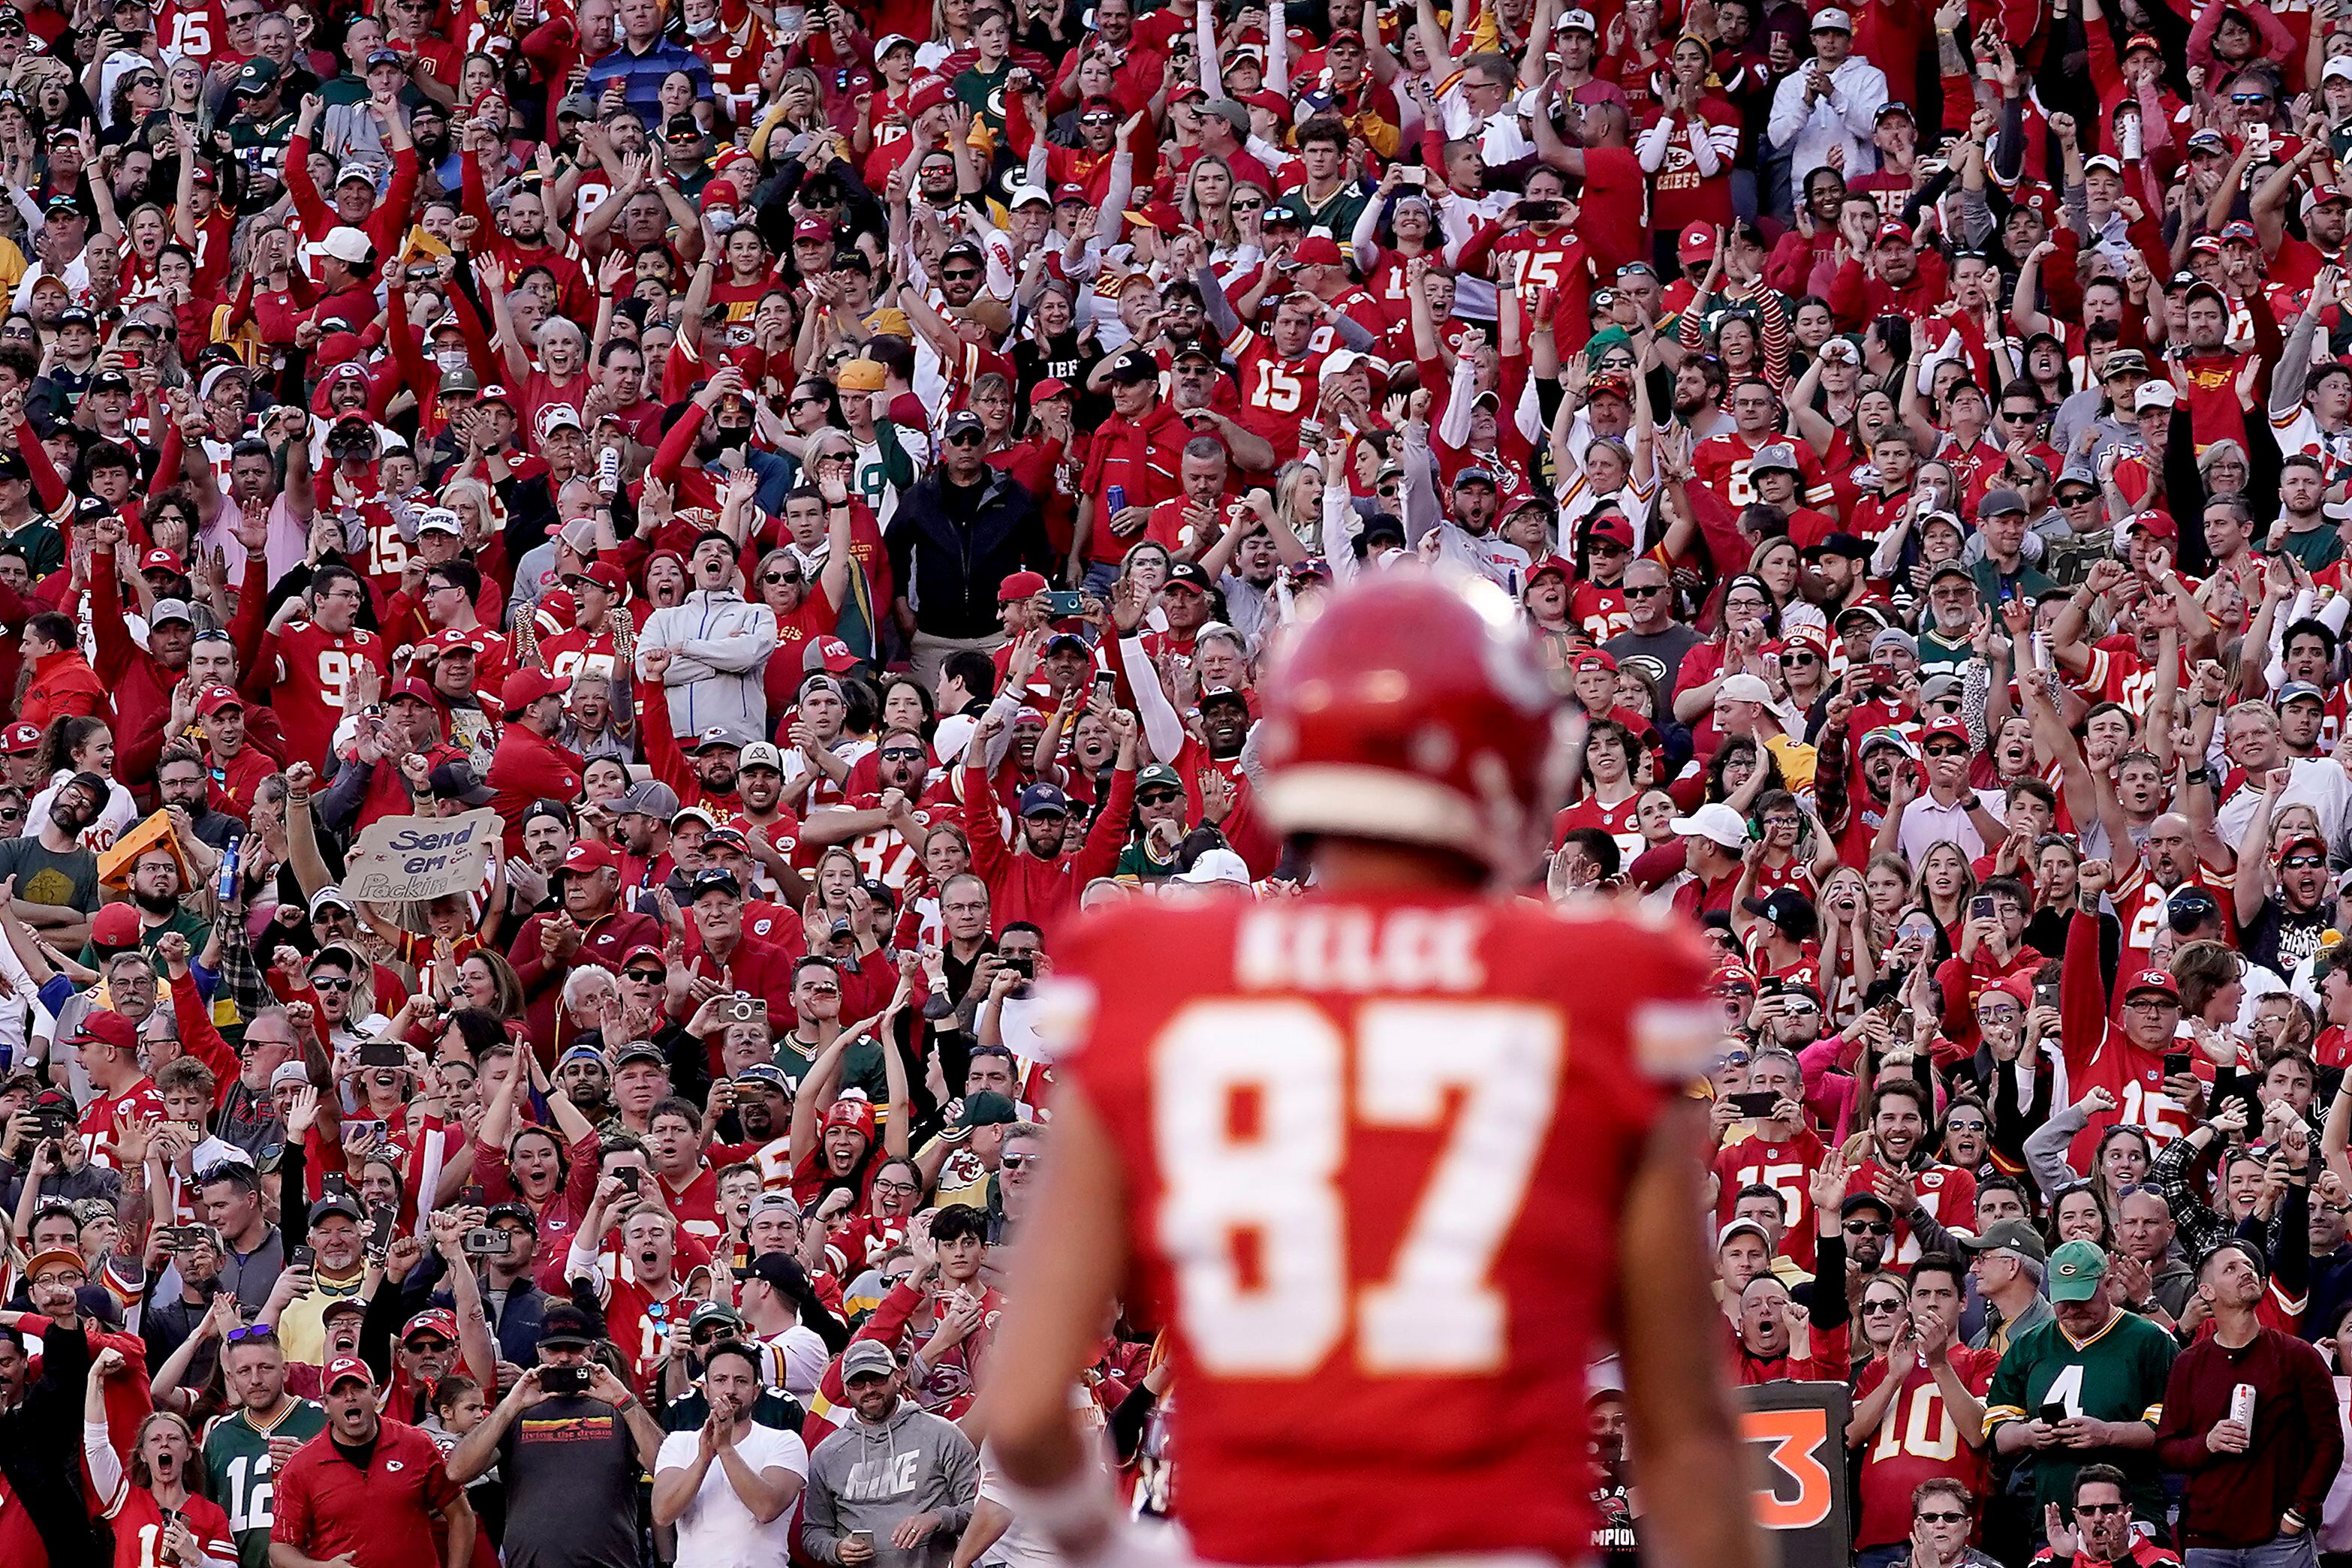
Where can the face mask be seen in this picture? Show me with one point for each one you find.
(703, 28)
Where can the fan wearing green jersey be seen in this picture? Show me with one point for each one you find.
(245, 1448)
(2085, 1388)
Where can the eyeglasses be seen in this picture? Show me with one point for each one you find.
(1941, 1515)
(1798, 661)
(329, 983)
(894, 1186)
(2153, 1005)
(1868, 1228)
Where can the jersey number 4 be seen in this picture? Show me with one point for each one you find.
(1252, 1110)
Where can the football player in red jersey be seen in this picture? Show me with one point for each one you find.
(1363, 1293)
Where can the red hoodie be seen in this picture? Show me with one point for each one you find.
(1021, 886)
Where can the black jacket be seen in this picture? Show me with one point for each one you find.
(40, 1452)
(948, 571)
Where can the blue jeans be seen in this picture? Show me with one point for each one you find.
(1883, 1556)
(2278, 1552)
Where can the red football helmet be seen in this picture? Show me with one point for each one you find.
(1413, 708)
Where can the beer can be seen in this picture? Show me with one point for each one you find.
(2241, 1406)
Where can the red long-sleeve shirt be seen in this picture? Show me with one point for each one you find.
(2234, 1500)
(527, 766)
(1025, 886)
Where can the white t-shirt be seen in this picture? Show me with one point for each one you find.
(717, 1531)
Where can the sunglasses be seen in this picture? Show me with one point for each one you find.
(1249, 206)
(808, 402)
(2304, 861)
(1880, 1306)
(1017, 1162)
(969, 438)
(1798, 661)
(1157, 798)
(961, 275)
(902, 754)
(1941, 1515)
(1946, 750)
(428, 1346)
(782, 577)
(2079, 498)
(1651, 591)
(1868, 1228)
(330, 983)
(2096, 1509)
(2250, 98)
(2019, 414)
(251, 1334)
(644, 976)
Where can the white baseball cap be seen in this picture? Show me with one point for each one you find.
(1713, 821)
(1824, 21)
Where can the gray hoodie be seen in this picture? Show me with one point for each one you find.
(869, 1478)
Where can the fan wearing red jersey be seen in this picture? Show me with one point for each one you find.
(156, 1518)
(1384, 1268)
(1918, 1412)
(2123, 1054)
(306, 665)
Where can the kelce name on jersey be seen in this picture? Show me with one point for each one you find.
(1357, 950)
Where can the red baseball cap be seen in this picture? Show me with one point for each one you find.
(1592, 659)
(604, 575)
(1612, 526)
(525, 687)
(1946, 729)
(1734, 976)
(213, 698)
(2153, 979)
(588, 855)
(1891, 230)
(411, 688)
(1697, 242)
(835, 654)
(161, 560)
(1549, 564)
(1318, 250)
(1021, 585)
(1050, 387)
(432, 1319)
(1071, 191)
(812, 228)
(20, 737)
(109, 1028)
(2160, 524)
(115, 925)
(348, 1367)
(1157, 214)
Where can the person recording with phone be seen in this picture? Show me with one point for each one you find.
(571, 1471)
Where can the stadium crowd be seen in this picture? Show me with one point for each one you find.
(829, 481)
